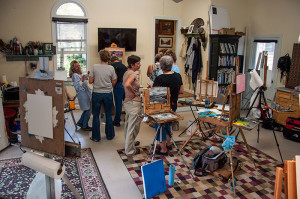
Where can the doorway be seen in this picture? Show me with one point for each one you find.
(271, 44)
(166, 34)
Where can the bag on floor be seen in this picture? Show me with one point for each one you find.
(292, 129)
(191, 128)
(209, 159)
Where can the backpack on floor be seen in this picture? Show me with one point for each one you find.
(292, 129)
(209, 159)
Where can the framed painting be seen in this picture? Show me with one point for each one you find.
(166, 27)
(48, 48)
(165, 42)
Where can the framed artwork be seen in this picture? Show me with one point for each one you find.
(190, 30)
(165, 42)
(119, 52)
(48, 48)
(166, 27)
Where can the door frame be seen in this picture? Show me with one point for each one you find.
(177, 33)
(276, 57)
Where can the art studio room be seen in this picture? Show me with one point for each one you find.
(150, 99)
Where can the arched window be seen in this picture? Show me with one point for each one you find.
(69, 29)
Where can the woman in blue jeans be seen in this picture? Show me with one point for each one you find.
(103, 78)
(83, 94)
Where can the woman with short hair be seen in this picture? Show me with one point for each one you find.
(132, 105)
(173, 81)
(103, 78)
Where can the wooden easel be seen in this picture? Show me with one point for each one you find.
(157, 108)
(151, 109)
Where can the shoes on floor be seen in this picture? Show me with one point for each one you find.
(88, 128)
(161, 153)
(93, 139)
(137, 143)
(79, 124)
(117, 124)
(169, 147)
(137, 151)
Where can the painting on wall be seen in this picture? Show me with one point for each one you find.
(166, 27)
(165, 42)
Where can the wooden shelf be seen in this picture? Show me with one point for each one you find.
(26, 57)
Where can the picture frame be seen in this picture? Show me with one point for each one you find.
(48, 48)
(166, 27)
(190, 30)
(165, 42)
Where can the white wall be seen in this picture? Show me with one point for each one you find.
(30, 21)
(267, 17)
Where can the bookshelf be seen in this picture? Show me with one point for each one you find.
(222, 61)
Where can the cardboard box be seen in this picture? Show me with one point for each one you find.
(227, 31)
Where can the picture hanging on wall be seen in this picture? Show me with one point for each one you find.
(165, 42)
(191, 27)
(48, 48)
(166, 27)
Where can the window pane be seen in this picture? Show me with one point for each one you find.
(71, 46)
(68, 58)
(71, 9)
(270, 48)
(70, 31)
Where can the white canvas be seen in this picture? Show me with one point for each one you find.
(40, 115)
(209, 87)
(219, 20)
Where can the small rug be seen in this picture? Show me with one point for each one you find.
(251, 182)
(15, 178)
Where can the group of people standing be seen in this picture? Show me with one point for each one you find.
(110, 75)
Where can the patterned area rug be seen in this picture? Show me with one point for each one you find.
(83, 173)
(251, 182)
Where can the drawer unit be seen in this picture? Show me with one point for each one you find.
(285, 98)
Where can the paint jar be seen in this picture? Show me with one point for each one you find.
(72, 104)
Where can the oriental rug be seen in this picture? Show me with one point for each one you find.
(15, 178)
(251, 182)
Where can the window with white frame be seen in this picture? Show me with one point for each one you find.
(69, 29)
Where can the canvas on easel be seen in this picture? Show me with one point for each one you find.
(157, 105)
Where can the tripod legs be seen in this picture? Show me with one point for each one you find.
(154, 144)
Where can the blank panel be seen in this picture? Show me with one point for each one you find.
(40, 115)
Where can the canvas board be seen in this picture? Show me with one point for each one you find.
(209, 87)
(40, 115)
(154, 181)
(218, 18)
(164, 116)
(240, 83)
(158, 95)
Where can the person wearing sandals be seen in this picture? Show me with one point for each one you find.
(132, 105)
(173, 81)
(83, 93)
(103, 78)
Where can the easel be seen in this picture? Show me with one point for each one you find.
(261, 97)
(151, 109)
(288, 173)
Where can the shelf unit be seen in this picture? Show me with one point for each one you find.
(223, 52)
(26, 57)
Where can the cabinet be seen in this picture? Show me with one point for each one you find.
(286, 98)
(223, 52)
